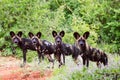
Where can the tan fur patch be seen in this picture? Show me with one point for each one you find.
(26, 43)
(17, 37)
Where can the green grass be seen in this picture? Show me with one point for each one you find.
(110, 72)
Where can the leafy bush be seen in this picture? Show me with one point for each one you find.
(101, 18)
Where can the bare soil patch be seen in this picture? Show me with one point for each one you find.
(10, 70)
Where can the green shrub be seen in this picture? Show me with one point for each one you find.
(101, 18)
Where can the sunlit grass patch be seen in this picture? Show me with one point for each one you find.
(110, 72)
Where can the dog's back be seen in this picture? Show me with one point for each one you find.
(27, 44)
(48, 46)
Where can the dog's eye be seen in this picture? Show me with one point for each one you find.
(15, 38)
(84, 41)
(81, 40)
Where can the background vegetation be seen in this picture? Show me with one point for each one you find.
(100, 17)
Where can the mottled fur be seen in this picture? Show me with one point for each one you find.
(89, 53)
(24, 43)
(63, 48)
(44, 46)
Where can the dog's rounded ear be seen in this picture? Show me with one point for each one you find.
(19, 33)
(62, 33)
(12, 33)
(86, 34)
(54, 33)
(39, 34)
(76, 35)
(30, 34)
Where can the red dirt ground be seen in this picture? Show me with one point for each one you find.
(10, 70)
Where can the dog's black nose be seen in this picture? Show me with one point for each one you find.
(34, 42)
(81, 44)
(58, 41)
(15, 41)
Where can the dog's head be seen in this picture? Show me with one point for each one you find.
(58, 37)
(16, 38)
(35, 38)
(81, 40)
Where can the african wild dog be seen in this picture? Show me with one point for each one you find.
(64, 49)
(24, 43)
(59, 46)
(43, 46)
(89, 53)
